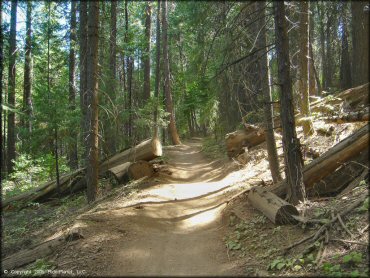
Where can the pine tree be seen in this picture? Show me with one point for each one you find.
(291, 145)
(92, 169)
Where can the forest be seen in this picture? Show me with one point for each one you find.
(184, 138)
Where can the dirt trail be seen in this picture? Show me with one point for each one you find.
(172, 228)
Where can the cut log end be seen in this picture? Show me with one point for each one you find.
(274, 208)
(284, 214)
(157, 147)
(140, 169)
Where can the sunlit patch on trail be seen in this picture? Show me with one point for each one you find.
(203, 218)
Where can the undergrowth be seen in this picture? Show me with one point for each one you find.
(31, 172)
(213, 149)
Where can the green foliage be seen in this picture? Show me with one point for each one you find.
(144, 115)
(332, 270)
(348, 266)
(31, 172)
(212, 148)
(352, 258)
(41, 266)
(365, 206)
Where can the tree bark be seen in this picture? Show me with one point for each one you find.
(75, 181)
(304, 67)
(111, 126)
(83, 77)
(129, 63)
(28, 256)
(92, 169)
(327, 163)
(345, 63)
(40, 250)
(11, 87)
(322, 46)
(314, 82)
(2, 165)
(146, 150)
(146, 54)
(329, 58)
(274, 208)
(266, 91)
(72, 148)
(249, 137)
(360, 42)
(167, 86)
(352, 117)
(157, 69)
(27, 86)
(291, 145)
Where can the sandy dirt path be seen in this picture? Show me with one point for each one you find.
(172, 228)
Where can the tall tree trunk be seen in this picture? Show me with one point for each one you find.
(72, 148)
(129, 63)
(53, 131)
(291, 145)
(322, 48)
(27, 101)
(11, 86)
(266, 91)
(304, 66)
(329, 58)
(56, 158)
(360, 42)
(167, 87)
(314, 83)
(111, 127)
(146, 54)
(1, 94)
(92, 168)
(83, 77)
(314, 71)
(157, 69)
(345, 63)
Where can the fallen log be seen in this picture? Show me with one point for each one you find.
(340, 178)
(248, 137)
(75, 181)
(38, 251)
(273, 207)
(146, 150)
(118, 174)
(47, 190)
(355, 182)
(355, 97)
(318, 169)
(130, 170)
(351, 117)
(140, 169)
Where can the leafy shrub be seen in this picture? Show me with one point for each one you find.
(29, 173)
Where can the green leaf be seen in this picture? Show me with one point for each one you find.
(280, 266)
(297, 267)
(347, 259)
